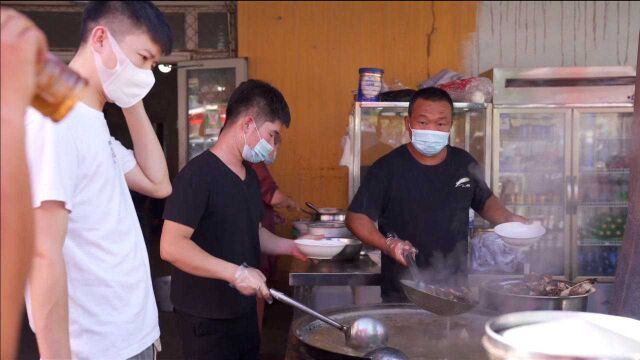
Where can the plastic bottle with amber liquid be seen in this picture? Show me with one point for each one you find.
(58, 88)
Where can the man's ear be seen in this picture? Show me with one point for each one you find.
(247, 122)
(98, 39)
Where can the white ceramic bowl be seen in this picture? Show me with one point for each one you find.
(320, 249)
(520, 235)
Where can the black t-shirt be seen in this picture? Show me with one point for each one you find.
(427, 205)
(225, 213)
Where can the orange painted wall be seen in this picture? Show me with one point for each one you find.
(312, 51)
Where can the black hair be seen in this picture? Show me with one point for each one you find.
(140, 14)
(432, 94)
(266, 102)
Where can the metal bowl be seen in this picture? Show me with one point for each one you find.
(329, 229)
(494, 297)
(351, 250)
(501, 347)
(302, 226)
(330, 217)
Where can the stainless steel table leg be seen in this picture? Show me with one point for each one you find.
(302, 294)
(353, 295)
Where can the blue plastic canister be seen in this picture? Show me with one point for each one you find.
(370, 84)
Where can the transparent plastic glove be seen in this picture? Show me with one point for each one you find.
(396, 248)
(249, 281)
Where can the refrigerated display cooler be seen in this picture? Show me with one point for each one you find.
(204, 88)
(561, 140)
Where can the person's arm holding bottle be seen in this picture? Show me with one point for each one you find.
(23, 46)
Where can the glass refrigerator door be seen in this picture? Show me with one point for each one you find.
(531, 169)
(381, 129)
(469, 132)
(204, 88)
(602, 149)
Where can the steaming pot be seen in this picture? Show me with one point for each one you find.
(493, 297)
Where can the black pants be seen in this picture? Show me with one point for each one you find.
(219, 339)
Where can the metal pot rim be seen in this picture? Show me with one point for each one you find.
(331, 211)
(494, 338)
(486, 287)
(328, 225)
(347, 240)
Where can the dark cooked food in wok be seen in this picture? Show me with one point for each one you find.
(459, 294)
(544, 285)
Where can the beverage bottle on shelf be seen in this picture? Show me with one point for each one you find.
(609, 266)
(589, 260)
(560, 252)
(603, 257)
(614, 259)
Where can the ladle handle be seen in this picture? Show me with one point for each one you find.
(289, 301)
(307, 212)
(312, 207)
(410, 259)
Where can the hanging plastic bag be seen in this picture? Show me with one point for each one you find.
(444, 76)
(471, 90)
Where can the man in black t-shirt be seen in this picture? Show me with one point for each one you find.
(212, 232)
(421, 192)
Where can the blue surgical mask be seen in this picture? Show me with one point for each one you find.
(429, 142)
(260, 152)
(271, 159)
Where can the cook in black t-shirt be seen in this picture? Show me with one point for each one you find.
(422, 192)
(209, 198)
(212, 232)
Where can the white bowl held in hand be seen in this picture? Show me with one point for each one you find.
(519, 234)
(320, 249)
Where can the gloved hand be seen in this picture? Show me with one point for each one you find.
(396, 249)
(250, 281)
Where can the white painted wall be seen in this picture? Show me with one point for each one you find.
(553, 33)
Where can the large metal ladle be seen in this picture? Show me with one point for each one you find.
(364, 333)
(386, 353)
(313, 207)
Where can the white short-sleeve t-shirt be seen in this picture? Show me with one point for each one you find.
(112, 310)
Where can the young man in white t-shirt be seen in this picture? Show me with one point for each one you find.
(90, 294)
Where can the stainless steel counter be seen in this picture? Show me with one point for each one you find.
(305, 276)
(361, 272)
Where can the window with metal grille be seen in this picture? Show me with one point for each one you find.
(202, 29)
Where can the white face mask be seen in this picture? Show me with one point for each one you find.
(126, 84)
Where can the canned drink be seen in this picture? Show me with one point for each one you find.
(370, 84)
(58, 88)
